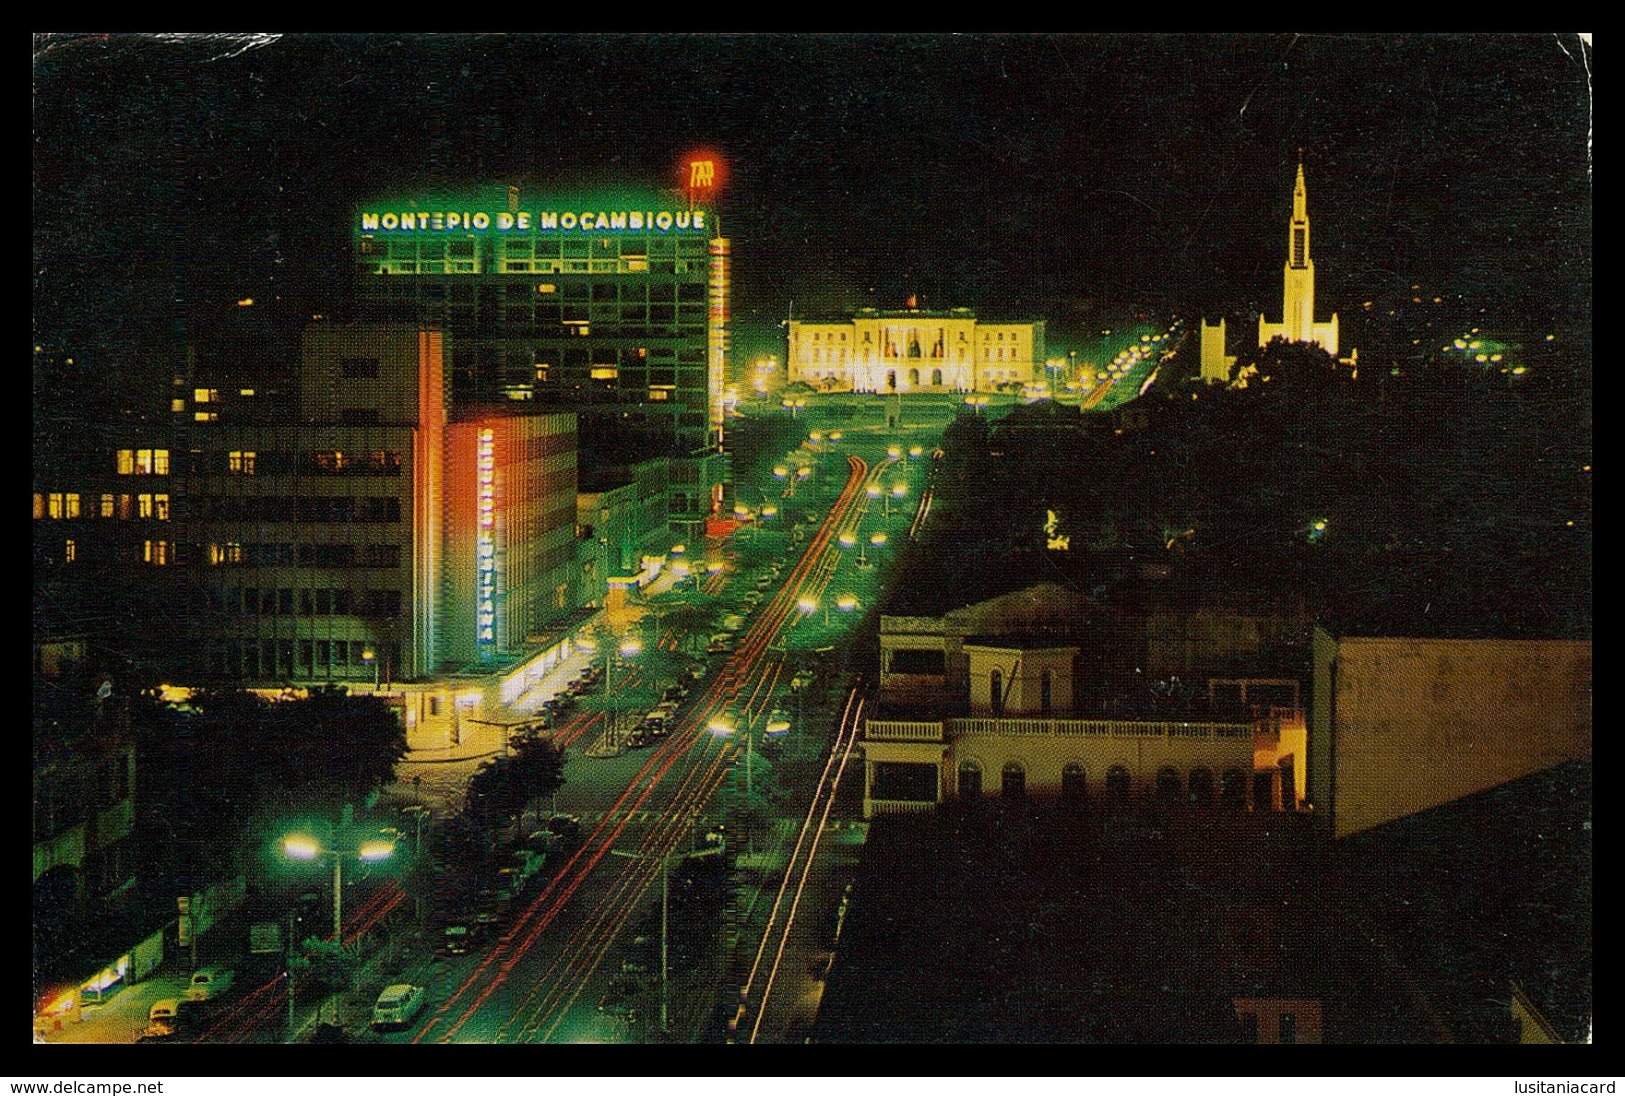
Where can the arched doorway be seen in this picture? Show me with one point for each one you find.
(914, 378)
(936, 378)
(1168, 790)
(1233, 789)
(970, 780)
(891, 380)
(1013, 782)
(1201, 787)
(1118, 786)
(1074, 784)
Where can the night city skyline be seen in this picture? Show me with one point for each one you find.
(812, 538)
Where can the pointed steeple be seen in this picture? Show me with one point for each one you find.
(1300, 194)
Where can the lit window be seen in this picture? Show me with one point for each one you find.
(177, 404)
(160, 462)
(205, 416)
(205, 395)
(55, 506)
(70, 507)
(605, 372)
(160, 507)
(39, 505)
(156, 552)
(126, 462)
(143, 462)
(143, 506)
(107, 506)
(241, 461)
(230, 552)
(124, 507)
(245, 391)
(70, 552)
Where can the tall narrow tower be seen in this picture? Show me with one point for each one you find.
(1298, 288)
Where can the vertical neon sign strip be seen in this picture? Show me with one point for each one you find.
(485, 569)
(720, 289)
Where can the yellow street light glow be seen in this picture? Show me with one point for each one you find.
(803, 472)
(846, 601)
(300, 847)
(878, 538)
(770, 510)
(720, 727)
(834, 435)
(714, 567)
(806, 604)
(678, 549)
(816, 435)
(873, 491)
(899, 490)
(780, 471)
(375, 850)
(847, 540)
(631, 648)
(915, 450)
(894, 451)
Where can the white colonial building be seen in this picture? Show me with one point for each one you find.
(913, 350)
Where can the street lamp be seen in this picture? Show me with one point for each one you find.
(340, 847)
(898, 491)
(629, 648)
(665, 907)
(370, 657)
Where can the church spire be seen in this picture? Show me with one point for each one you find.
(1300, 194)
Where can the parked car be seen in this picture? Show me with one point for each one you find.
(209, 983)
(162, 1021)
(398, 1006)
(565, 825)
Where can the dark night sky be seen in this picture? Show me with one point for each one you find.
(1056, 176)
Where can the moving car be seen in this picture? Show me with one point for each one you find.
(398, 1005)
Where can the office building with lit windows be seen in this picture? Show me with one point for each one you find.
(615, 308)
(914, 350)
(378, 538)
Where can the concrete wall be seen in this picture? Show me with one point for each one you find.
(1401, 725)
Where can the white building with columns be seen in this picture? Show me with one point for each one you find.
(914, 350)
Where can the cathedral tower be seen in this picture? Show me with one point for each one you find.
(1298, 291)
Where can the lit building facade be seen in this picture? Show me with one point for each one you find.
(588, 305)
(984, 700)
(915, 351)
(379, 538)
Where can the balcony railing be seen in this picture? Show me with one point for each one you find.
(899, 806)
(894, 730)
(1100, 728)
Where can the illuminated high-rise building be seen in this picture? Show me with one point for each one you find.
(613, 307)
(1298, 290)
(381, 536)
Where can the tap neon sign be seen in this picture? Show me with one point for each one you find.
(485, 566)
(586, 220)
